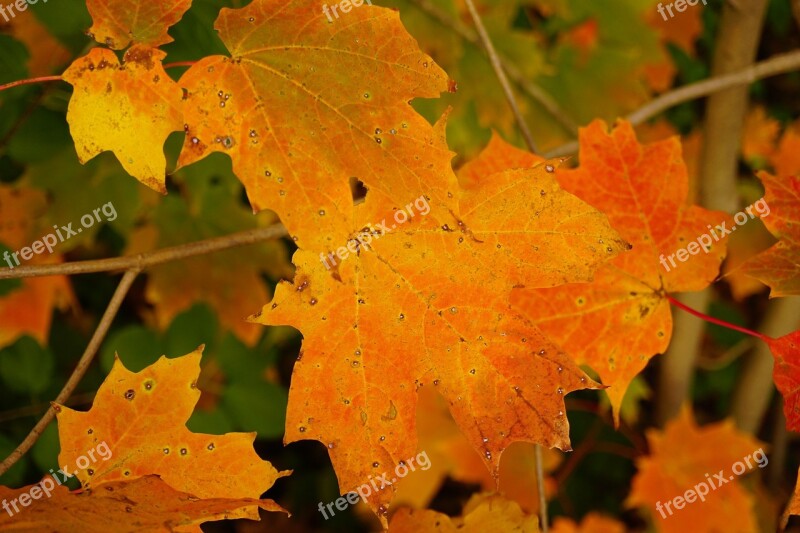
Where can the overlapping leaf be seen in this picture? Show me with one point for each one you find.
(786, 375)
(127, 108)
(452, 456)
(144, 504)
(305, 104)
(117, 23)
(141, 417)
(484, 512)
(426, 303)
(591, 523)
(682, 456)
(45, 51)
(779, 266)
(28, 309)
(616, 323)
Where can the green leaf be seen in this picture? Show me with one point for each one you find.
(239, 363)
(214, 422)
(257, 407)
(195, 326)
(138, 347)
(45, 452)
(26, 367)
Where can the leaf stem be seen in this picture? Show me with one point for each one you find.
(716, 321)
(30, 81)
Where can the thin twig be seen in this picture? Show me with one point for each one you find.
(33, 410)
(30, 81)
(501, 75)
(773, 66)
(180, 64)
(537, 450)
(78, 373)
(142, 261)
(534, 91)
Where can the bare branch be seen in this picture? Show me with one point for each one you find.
(501, 75)
(142, 261)
(78, 373)
(773, 66)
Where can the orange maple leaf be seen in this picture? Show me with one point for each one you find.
(141, 419)
(683, 456)
(617, 322)
(483, 512)
(786, 375)
(427, 303)
(118, 23)
(304, 104)
(498, 156)
(451, 455)
(786, 159)
(46, 52)
(681, 31)
(779, 266)
(143, 504)
(760, 134)
(28, 310)
(591, 523)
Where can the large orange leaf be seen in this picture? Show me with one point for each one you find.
(305, 104)
(779, 266)
(144, 504)
(117, 23)
(616, 323)
(141, 417)
(483, 513)
(127, 108)
(786, 375)
(427, 304)
(684, 455)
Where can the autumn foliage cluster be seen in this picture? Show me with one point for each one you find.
(530, 330)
